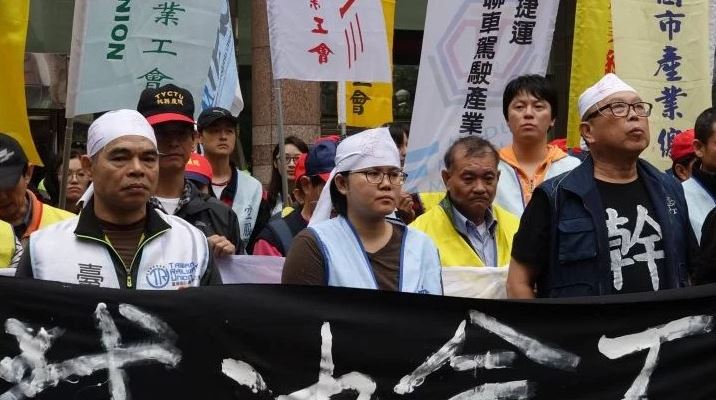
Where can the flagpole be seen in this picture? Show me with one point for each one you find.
(65, 162)
(281, 147)
(342, 117)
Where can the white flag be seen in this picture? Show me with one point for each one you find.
(471, 49)
(222, 84)
(328, 40)
(121, 47)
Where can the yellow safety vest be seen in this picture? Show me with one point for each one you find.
(7, 244)
(454, 250)
(43, 215)
(430, 199)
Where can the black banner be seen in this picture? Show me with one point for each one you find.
(265, 342)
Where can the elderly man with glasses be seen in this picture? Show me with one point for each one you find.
(613, 225)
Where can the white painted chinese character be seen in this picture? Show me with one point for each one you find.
(621, 242)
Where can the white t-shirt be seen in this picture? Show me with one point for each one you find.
(217, 190)
(170, 205)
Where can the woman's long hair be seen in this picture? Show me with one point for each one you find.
(274, 188)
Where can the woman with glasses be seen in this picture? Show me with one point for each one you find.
(293, 147)
(272, 203)
(360, 248)
(78, 179)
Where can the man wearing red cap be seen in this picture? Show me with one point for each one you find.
(700, 189)
(683, 155)
(198, 171)
(170, 111)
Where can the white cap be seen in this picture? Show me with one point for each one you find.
(371, 148)
(115, 124)
(605, 87)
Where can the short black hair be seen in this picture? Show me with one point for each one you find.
(704, 126)
(396, 132)
(536, 85)
(473, 145)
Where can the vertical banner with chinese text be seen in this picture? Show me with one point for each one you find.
(14, 15)
(660, 50)
(370, 104)
(328, 40)
(471, 49)
(592, 56)
(120, 48)
(222, 83)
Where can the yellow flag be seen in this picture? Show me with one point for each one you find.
(370, 104)
(14, 15)
(592, 56)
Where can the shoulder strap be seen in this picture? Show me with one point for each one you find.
(283, 234)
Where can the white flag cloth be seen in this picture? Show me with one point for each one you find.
(120, 48)
(475, 282)
(222, 84)
(328, 40)
(471, 50)
(249, 269)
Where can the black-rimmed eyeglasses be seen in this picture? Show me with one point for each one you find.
(620, 109)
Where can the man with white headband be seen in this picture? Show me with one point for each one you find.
(119, 240)
(613, 225)
(359, 248)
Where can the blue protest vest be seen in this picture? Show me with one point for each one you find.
(347, 264)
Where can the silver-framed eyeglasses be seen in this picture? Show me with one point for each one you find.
(620, 109)
(376, 177)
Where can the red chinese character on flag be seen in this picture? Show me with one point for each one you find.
(323, 52)
(315, 4)
(319, 26)
(344, 8)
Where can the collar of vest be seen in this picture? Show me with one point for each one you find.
(579, 180)
(89, 225)
(447, 205)
(229, 192)
(35, 219)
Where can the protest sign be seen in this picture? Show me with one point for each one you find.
(328, 40)
(659, 50)
(471, 49)
(121, 47)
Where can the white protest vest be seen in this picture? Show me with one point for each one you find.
(509, 191)
(246, 203)
(700, 203)
(174, 258)
(348, 265)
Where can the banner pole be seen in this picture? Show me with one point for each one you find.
(65, 162)
(281, 147)
(342, 115)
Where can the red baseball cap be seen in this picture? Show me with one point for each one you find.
(300, 169)
(198, 169)
(682, 145)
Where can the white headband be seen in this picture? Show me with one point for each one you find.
(115, 124)
(604, 88)
(371, 148)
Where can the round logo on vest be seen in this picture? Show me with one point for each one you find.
(158, 276)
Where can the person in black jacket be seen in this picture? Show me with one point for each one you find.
(170, 111)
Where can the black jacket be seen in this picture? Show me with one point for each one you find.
(210, 216)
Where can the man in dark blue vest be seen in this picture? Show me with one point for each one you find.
(615, 224)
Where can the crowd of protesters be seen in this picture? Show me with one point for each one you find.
(535, 218)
